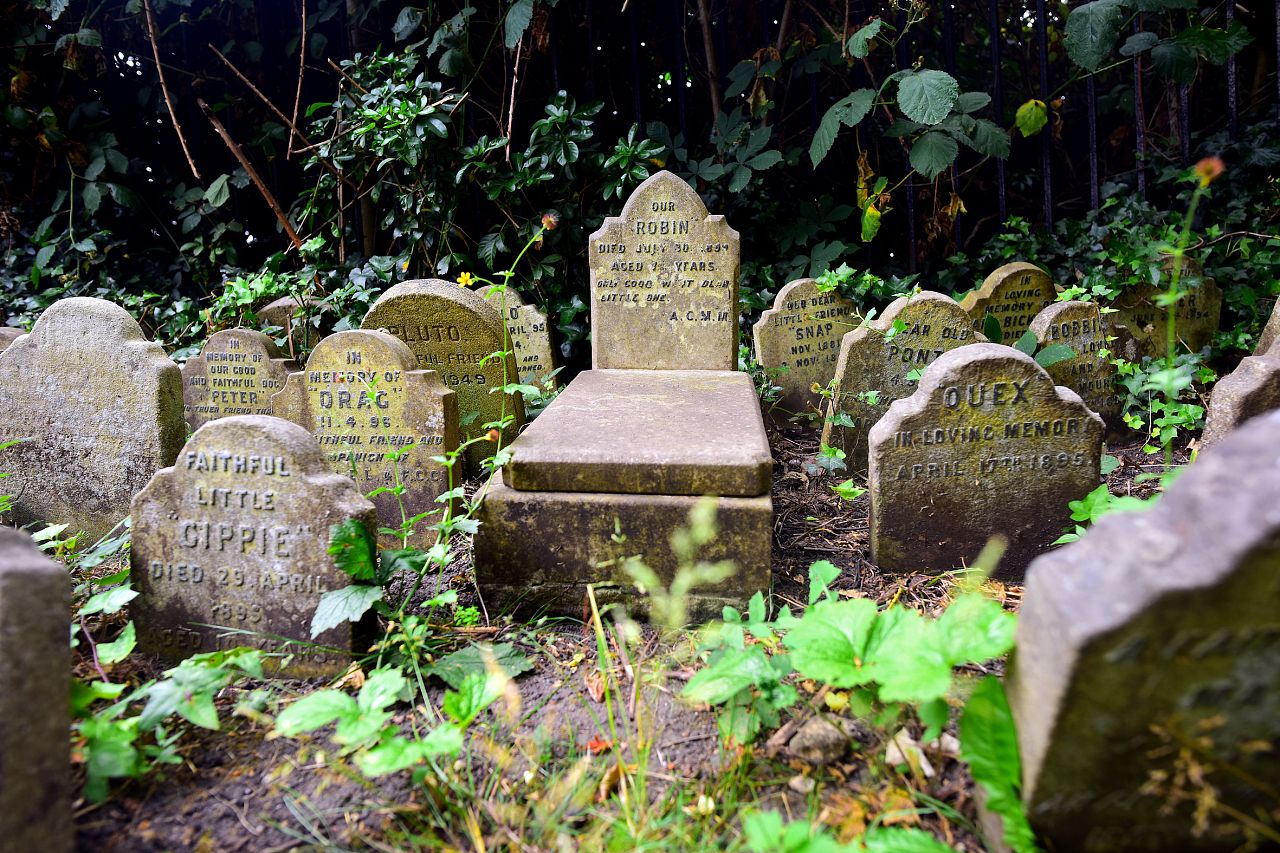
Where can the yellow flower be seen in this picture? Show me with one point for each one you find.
(1208, 169)
(465, 279)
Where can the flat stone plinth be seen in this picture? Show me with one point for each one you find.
(646, 432)
(540, 549)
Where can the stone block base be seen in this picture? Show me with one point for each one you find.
(539, 550)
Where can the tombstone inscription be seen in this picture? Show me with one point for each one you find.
(1013, 294)
(362, 397)
(1198, 313)
(987, 445)
(530, 336)
(1084, 328)
(664, 283)
(1147, 671)
(236, 534)
(798, 342)
(235, 373)
(98, 409)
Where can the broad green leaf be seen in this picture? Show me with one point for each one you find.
(735, 671)
(870, 222)
(932, 153)
(821, 574)
(1027, 343)
(1173, 61)
(198, 708)
(974, 629)
(1109, 464)
(315, 710)
(1138, 42)
(927, 95)
(352, 550)
(392, 755)
(765, 159)
(989, 139)
(989, 743)
(453, 669)
(829, 641)
(219, 191)
(848, 111)
(860, 41)
(121, 647)
(518, 18)
(111, 601)
(1092, 30)
(478, 691)
(381, 688)
(905, 656)
(343, 605)
(1053, 354)
(1031, 117)
(971, 102)
(92, 197)
(45, 255)
(991, 329)
(902, 840)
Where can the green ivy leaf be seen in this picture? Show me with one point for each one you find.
(1092, 30)
(352, 550)
(1054, 354)
(1027, 343)
(111, 601)
(121, 647)
(1031, 117)
(932, 153)
(343, 605)
(927, 95)
(991, 329)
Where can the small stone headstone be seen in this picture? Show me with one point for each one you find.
(331, 398)
(874, 365)
(293, 319)
(236, 535)
(235, 374)
(1248, 391)
(986, 446)
(8, 334)
(1013, 294)
(1146, 680)
(35, 670)
(530, 336)
(1084, 328)
(1270, 333)
(664, 283)
(798, 342)
(1199, 311)
(454, 332)
(101, 409)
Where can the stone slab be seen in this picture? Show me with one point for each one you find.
(1013, 294)
(287, 313)
(1198, 315)
(872, 359)
(1084, 328)
(539, 550)
(8, 334)
(671, 432)
(409, 408)
(236, 535)
(453, 331)
(1248, 391)
(35, 718)
(987, 445)
(664, 283)
(1270, 332)
(235, 373)
(1157, 631)
(798, 342)
(101, 407)
(530, 336)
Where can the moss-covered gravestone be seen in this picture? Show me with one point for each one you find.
(798, 342)
(1013, 295)
(1083, 328)
(100, 409)
(664, 283)
(35, 671)
(454, 332)
(8, 334)
(1146, 681)
(235, 374)
(363, 398)
(530, 336)
(1248, 391)
(1198, 314)
(877, 360)
(236, 534)
(986, 446)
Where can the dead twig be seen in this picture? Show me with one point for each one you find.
(297, 95)
(164, 87)
(336, 67)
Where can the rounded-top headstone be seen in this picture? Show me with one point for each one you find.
(798, 342)
(1252, 389)
(530, 335)
(986, 446)
(9, 334)
(288, 313)
(664, 283)
(1013, 294)
(454, 332)
(100, 409)
(875, 362)
(235, 373)
(364, 399)
(1145, 322)
(236, 534)
(1149, 652)
(1083, 328)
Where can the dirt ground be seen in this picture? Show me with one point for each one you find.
(239, 790)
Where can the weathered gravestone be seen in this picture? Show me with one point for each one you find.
(101, 407)
(1198, 313)
(363, 397)
(664, 283)
(1270, 333)
(1250, 390)
(236, 535)
(987, 445)
(875, 361)
(530, 336)
(1146, 680)
(294, 318)
(1013, 295)
(35, 674)
(1083, 328)
(235, 374)
(8, 334)
(798, 342)
(455, 332)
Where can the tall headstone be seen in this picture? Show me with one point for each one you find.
(664, 283)
(986, 446)
(1146, 681)
(35, 674)
(798, 342)
(1252, 389)
(363, 398)
(1270, 333)
(235, 374)
(530, 336)
(1198, 312)
(1084, 328)
(876, 361)
(8, 334)
(454, 332)
(236, 535)
(1013, 294)
(100, 408)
